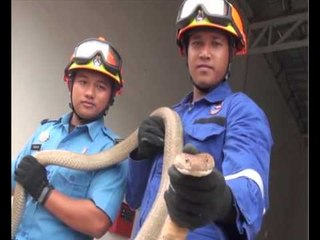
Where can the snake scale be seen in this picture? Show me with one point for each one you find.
(153, 228)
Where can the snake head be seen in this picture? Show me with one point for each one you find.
(197, 165)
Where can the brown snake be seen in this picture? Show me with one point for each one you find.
(151, 229)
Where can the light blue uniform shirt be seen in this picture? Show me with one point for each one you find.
(236, 132)
(104, 187)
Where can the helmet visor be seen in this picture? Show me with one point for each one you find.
(217, 11)
(88, 49)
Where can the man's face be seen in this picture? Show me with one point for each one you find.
(91, 93)
(208, 57)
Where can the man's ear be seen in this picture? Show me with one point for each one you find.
(232, 52)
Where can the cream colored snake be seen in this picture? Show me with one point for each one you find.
(151, 229)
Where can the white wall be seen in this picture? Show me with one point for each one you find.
(44, 34)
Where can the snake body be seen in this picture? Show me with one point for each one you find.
(151, 229)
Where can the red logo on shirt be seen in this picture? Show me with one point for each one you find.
(215, 109)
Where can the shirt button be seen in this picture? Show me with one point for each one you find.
(190, 107)
(72, 178)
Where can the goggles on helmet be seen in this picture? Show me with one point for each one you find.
(99, 55)
(89, 48)
(215, 13)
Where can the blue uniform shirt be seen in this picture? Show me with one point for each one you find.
(236, 132)
(104, 187)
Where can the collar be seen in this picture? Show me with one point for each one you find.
(93, 128)
(218, 94)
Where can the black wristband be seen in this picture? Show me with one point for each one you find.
(45, 194)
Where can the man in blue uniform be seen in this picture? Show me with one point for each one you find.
(230, 202)
(64, 203)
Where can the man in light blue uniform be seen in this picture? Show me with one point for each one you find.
(230, 202)
(64, 203)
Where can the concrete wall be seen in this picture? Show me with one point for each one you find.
(44, 34)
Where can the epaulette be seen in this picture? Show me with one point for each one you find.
(47, 120)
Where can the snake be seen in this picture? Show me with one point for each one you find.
(157, 223)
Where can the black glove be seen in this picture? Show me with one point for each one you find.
(33, 177)
(150, 138)
(193, 202)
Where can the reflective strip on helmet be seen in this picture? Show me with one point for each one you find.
(206, 22)
(100, 68)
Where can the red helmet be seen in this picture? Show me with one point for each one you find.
(99, 55)
(218, 14)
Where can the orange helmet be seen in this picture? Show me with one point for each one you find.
(99, 55)
(213, 14)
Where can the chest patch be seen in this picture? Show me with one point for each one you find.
(44, 136)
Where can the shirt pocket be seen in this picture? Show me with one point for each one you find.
(205, 131)
(207, 138)
(73, 183)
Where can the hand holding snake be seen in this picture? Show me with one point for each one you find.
(173, 144)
